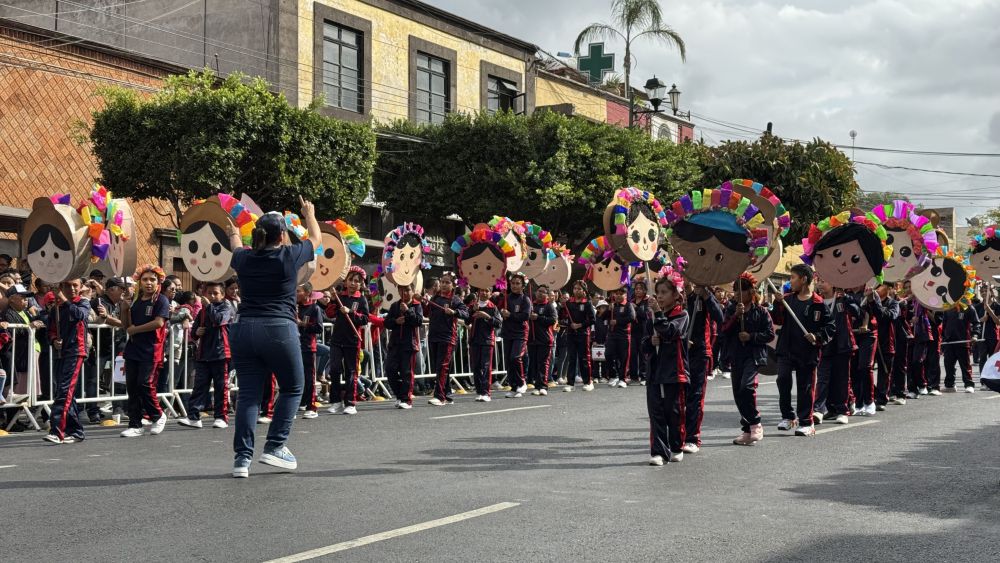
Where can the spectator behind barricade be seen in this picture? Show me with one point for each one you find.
(110, 342)
(233, 293)
(377, 352)
(5, 261)
(6, 280)
(97, 275)
(212, 356)
(17, 313)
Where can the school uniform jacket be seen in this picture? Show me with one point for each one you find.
(815, 317)
(601, 328)
(579, 312)
(442, 327)
(312, 315)
(515, 327)
(624, 314)
(357, 305)
(887, 316)
(482, 332)
(214, 344)
(702, 313)
(543, 328)
(844, 310)
(407, 335)
(71, 328)
(960, 325)
(924, 328)
(757, 322)
(669, 363)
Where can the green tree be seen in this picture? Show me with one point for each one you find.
(632, 19)
(869, 200)
(557, 171)
(814, 180)
(199, 136)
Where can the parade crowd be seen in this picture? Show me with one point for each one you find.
(848, 354)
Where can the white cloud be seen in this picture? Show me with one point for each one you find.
(915, 74)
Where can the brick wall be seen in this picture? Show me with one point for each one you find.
(44, 91)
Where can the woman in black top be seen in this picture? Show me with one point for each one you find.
(265, 336)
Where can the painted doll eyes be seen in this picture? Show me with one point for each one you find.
(905, 252)
(837, 253)
(328, 253)
(651, 236)
(855, 259)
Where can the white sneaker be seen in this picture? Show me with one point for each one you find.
(859, 412)
(726, 375)
(405, 406)
(189, 423)
(350, 410)
(870, 409)
(219, 423)
(588, 387)
(514, 395)
(841, 419)
(146, 422)
(523, 389)
(716, 372)
(536, 392)
(898, 401)
(676, 456)
(934, 393)
(817, 417)
(912, 395)
(567, 389)
(805, 431)
(436, 402)
(486, 398)
(497, 386)
(710, 377)
(578, 379)
(336, 408)
(131, 433)
(543, 392)
(922, 391)
(562, 381)
(970, 389)
(690, 448)
(643, 383)
(159, 425)
(263, 420)
(656, 460)
(622, 384)
(787, 424)
(613, 382)
(310, 414)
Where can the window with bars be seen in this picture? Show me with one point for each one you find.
(501, 95)
(432, 89)
(343, 80)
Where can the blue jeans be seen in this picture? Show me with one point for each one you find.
(322, 359)
(262, 346)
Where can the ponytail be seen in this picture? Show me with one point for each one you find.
(259, 239)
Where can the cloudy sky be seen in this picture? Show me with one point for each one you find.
(914, 74)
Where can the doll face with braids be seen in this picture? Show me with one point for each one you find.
(904, 257)
(642, 233)
(406, 259)
(607, 274)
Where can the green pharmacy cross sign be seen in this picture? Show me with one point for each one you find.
(596, 63)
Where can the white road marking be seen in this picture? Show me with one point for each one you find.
(7, 466)
(489, 412)
(993, 397)
(382, 536)
(758, 385)
(847, 426)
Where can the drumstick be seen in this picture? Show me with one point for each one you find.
(788, 309)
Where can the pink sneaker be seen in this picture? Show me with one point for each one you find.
(757, 432)
(743, 440)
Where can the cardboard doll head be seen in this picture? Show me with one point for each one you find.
(111, 229)
(634, 223)
(482, 257)
(984, 253)
(297, 233)
(403, 254)
(911, 237)
(847, 250)
(514, 233)
(559, 269)
(388, 292)
(338, 241)
(537, 256)
(605, 269)
(777, 220)
(946, 283)
(203, 236)
(763, 269)
(55, 240)
(718, 233)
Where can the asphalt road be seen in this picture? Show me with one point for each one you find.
(920, 483)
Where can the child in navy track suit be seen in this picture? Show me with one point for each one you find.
(747, 329)
(578, 318)
(350, 314)
(68, 333)
(541, 330)
(212, 356)
(923, 350)
(515, 311)
(404, 319)
(866, 335)
(903, 343)
(484, 320)
(666, 348)
(833, 386)
(620, 315)
(958, 326)
(702, 310)
(885, 354)
(445, 310)
(643, 314)
(310, 321)
(602, 326)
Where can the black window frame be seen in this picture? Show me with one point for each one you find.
(421, 47)
(323, 16)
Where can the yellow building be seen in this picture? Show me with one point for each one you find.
(571, 97)
(402, 59)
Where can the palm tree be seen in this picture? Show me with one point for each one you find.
(632, 19)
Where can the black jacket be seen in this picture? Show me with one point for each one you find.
(405, 336)
(515, 327)
(624, 315)
(214, 344)
(669, 362)
(443, 327)
(814, 316)
(702, 310)
(542, 329)
(343, 334)
(482, 332)
(757, 322)
(844, 310)
(579, 312)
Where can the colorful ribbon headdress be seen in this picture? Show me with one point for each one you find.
(900, 215)
(965, 301)
(392, 242)
(782, 217)
(989, 233)
(476, 236)
(350, 236)
(244, 219)
(599, 250)
(723, 199)
(623, 200)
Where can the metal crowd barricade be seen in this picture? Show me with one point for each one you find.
(27, 381)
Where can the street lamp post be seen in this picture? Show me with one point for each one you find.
(656, 90)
